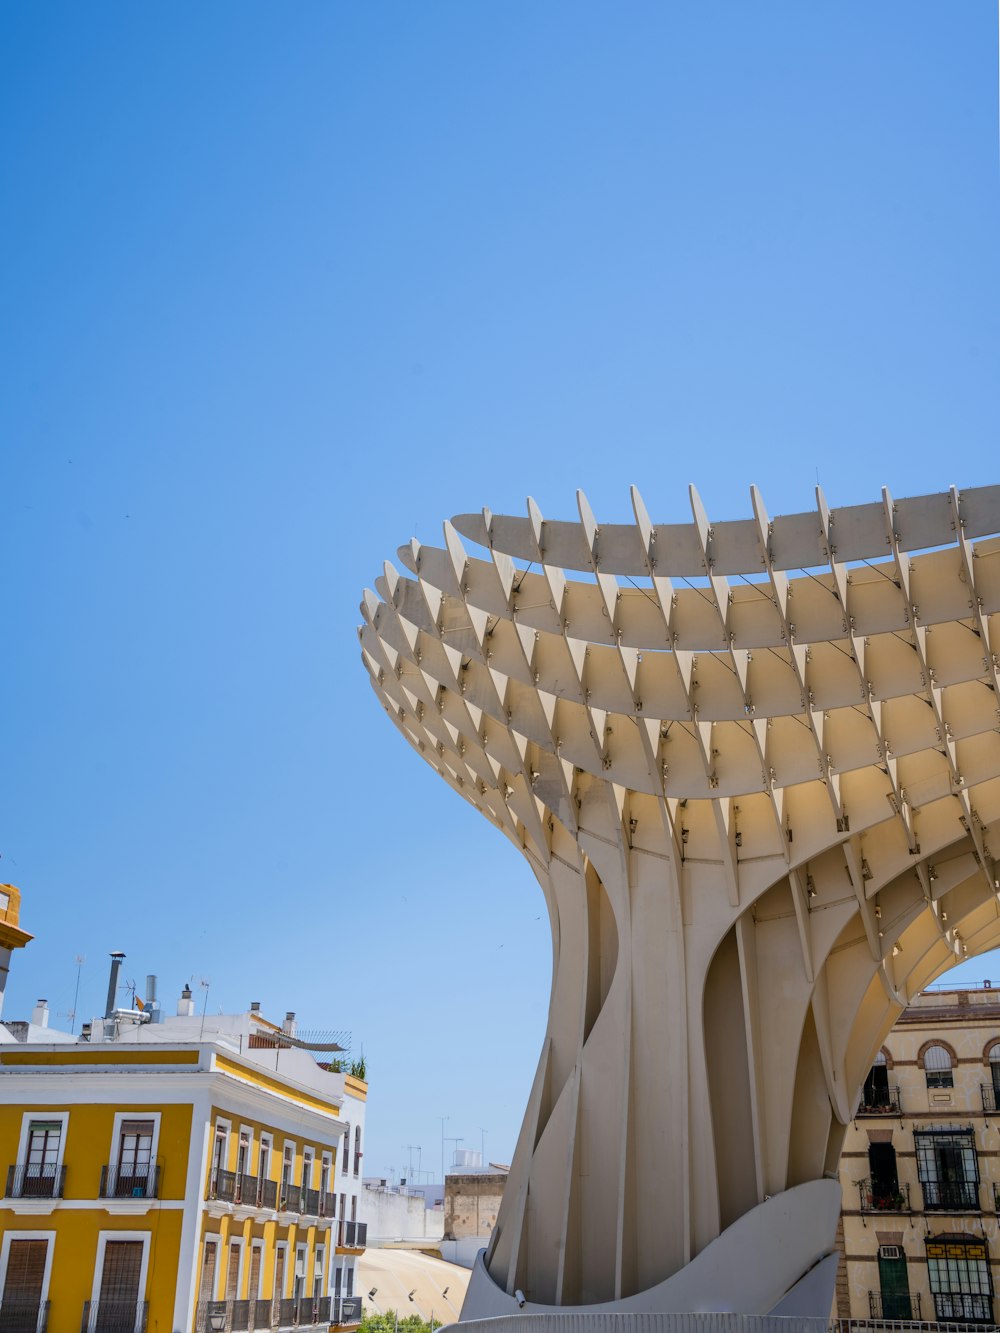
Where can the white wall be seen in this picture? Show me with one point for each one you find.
(394, 1216)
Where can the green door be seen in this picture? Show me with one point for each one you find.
(895, 1288)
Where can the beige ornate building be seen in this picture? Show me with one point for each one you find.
(921, 1167)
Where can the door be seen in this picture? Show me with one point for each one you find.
(253, 1285)
(118, 1306)
(885, 1178)
(876, 1093)
(22, 1289)
(895, 1288)
(135, 1154)
(41, 1167)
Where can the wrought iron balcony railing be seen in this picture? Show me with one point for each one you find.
(951, 1196)
(989, 1095)
(24, 1316)
(117, 1183)
(114, 1316)
(876, 1198)
(965, 1306)
(30, 1180)
(881, 1101)
(894, 1306)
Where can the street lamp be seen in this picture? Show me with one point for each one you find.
(217, 1321)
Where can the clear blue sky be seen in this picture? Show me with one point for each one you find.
(285, 285)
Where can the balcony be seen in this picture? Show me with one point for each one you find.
(963, 1307)
(951, 1196)
(346, 1310)
(114, 1317)
(119, 1184)
(35, 1181)
(894, 1306)
(24, 1316)
(880, 1101)
(352, 1235)
(875, 1198)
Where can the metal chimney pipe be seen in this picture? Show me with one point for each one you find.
(150, 989)
(116, 966)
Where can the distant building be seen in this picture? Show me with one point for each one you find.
(193, 1173)
(920, 1168)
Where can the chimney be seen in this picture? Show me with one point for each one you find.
(185, 1005)
(40, 1014)
(152, 1003)
(289, 1026)
(116, 967)
(85, 1032)
(255, 1006)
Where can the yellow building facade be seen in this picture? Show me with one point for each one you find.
(171, 1177)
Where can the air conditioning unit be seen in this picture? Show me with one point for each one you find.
(890, 1252)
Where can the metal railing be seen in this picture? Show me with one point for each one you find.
(989, 1095)
(345, 1310)
(119, 1184)
(24, 1316)
(964, 1307)
(881, 1101)
(894, 1308)
(114, 1316)
(352, 1235)
(29, 1180)
(876, 1198)
(310, 1202)
(290, 1198)
(951, 1196)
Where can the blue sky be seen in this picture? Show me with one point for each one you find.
(284, 286)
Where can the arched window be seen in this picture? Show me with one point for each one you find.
(937, 1067)
(876, 1092)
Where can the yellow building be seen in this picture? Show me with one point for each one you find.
(920, 1169)
(175, 1174)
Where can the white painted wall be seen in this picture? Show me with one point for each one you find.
(394, 1216)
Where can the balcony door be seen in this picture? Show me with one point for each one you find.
(876, 1093)
(135, 1158)
(23, 1285)
(885, 1177)
(118, 1304)
(42, 1161)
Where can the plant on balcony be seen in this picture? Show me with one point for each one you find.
(359, 1069)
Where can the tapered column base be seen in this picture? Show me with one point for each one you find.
(777, 1259)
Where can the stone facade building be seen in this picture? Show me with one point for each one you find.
(920, 1168)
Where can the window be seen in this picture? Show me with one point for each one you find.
(948, 1169)
(357, 1149)
(24, 1285)
(876, 1092)
(324, 1174)
(118, 1308)
(937, 1067)
(42, 1159)
(995, 1074)
(959, 1277)
(307, 1168)
(135, 1157)
(347, 1149)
